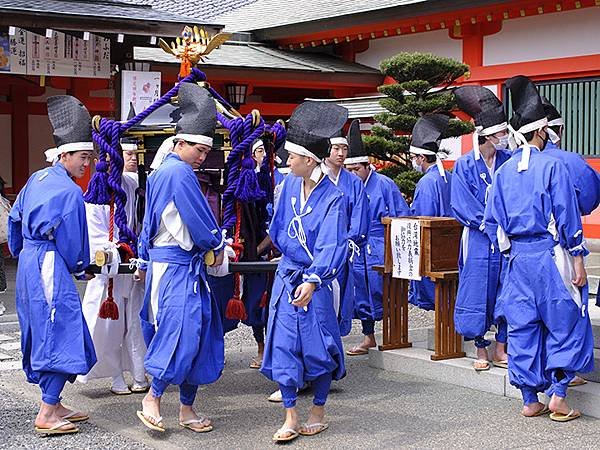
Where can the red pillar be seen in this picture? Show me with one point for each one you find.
(20, 137)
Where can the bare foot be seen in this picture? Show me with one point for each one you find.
(500, 352)
(482, 362)
(363, 348)
(151, 406)
(316, 415)
(559, 405)
(48, 417)
(291, 423)
(532, 409)
(188, 416)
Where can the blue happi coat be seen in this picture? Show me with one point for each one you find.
(302, 345)
(48, 232)
(432, 198)
(358, 231)
(182, 326)
(585, 179)
(549, 327)
(385, 200)
(479, 262)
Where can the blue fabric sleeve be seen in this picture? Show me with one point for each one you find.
(71, 236)
(15, 232)
(197, 215)
(467, 208)
(425, 201)
(566, 211)
(395, 200)
(330, 250)
(359, 215)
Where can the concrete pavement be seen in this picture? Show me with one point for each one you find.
(368, 409)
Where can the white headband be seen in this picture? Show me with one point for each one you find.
(338, 141)
(76, 147)
(517, 139)
(356, 160)
(480, 131)
(438, 158)
(129, 147)
(559, 122)
(258, 143)
(52, 155)
(169, 143)
(299, 150)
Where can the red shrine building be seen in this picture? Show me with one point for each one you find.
(281, 53)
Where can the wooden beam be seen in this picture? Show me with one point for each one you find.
(6, 108)
(269, 109)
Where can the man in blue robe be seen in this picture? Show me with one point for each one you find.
(479, 263)
(47, 231)
(432, 193)
(303, 341)
(385, 200)
(534, 212)
(586, 180)
(358, 227)
(180, 319)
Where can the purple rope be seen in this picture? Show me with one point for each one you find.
(242, 183)
(106, 182)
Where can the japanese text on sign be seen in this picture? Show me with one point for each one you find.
(61, 55)
(406, 248)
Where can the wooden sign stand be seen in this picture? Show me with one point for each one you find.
(440, 241)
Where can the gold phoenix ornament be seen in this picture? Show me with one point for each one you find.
(193, 45)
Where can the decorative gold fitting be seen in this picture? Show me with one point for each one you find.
(255, 117)
(96, 123)
(102, 258)
(209, 258)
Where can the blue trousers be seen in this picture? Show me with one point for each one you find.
(187, 392)
(320, 387)
(52, 384)
(501, 335)
(258, 331)
(368, 327)
(550, 336)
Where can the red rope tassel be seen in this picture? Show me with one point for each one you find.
(264, 300)
(108, 308)
(235, 306)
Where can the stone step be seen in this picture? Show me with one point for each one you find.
(593, 259)
(459, 371)
(594, 283)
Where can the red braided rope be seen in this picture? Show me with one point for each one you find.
(235, 307)
(109, 309)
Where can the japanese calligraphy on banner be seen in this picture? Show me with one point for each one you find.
(406, 248)
(60, 55)
(138, 89)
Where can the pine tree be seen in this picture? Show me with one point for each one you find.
(422, 87)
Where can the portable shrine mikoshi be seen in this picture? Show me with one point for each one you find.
(243, 189)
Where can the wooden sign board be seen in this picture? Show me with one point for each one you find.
(440, 244)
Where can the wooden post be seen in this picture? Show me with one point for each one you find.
(440, 240)
(448, 343)
(395, 312)
(395, 299)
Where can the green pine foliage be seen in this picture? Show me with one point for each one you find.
(422, 87)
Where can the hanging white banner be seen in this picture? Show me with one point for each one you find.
(138, 91)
